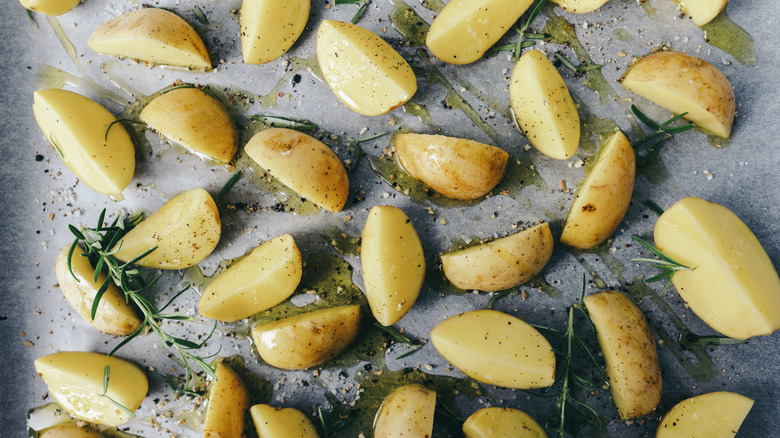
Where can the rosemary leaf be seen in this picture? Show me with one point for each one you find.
(200, 15)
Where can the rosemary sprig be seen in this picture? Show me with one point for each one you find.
(56, 146)
(106, 377)
(284, 122)
(691, 339)
(363, 4)
(578, 69)
(330, 427)
(496, 297)
(661, 132)
(520, 44)
(666, 264)
(226, 188)
(111, 125)
(31, 18)
(200, 15)
(653, 207)
(399, 337)
(373, 137)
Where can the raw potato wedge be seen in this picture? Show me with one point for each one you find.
(77, 128)
(69, 431)
(407, 412)
(465, 29)
(495, 348)
(75, 381)
(303, 341)
(50, 7)
(114, 315)
(364, 71)
(543, 107)
(712, 415)
(259, 281)
(455, 167)
(302, 163)
(393, 263)
(270, 27)
(683, 83)
(580, 6)
(502, 423)
(185, 231)
(603, 199)
(628, 346)
(733, 287)
(702, 11)
(501, 264)
(271, 422)
(153, 35)
(195, 120)
(228, 402)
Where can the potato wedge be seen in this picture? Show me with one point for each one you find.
(271, 422)
(302, 163)
(711, 415)
(50, 7)
(580, 6)
(455, 167)
(683, 83)
(407, 412)
(393, 263)
(364, 71)
(543, 107)
(259, 281)
(303, 341)
(501, 264)
(733, 287)
(69, 431)
(495, 348)
(603, 199)
(195, 120)
(702, 11)
(75, 381)
(270, 27)
(465, 29)
(185, 231)
(628, 346)
(77, 128)
(153, 35)
(114, 315)
(227, 405)
(502, 423)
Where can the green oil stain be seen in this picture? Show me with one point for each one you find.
(260, 390)
(715, 140)
(295, 65)
(728, 36)
(595, 131)
(645, 4)
(422, 114)
(433, 5)
(342, 242)
(622, 35)
(409, 24)
(498, 105)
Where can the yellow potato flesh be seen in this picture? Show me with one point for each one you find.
(628, 346)
(543, 107)
(228, 402)
(603, 199)
(364, 71)
(393, 263)
(702, 11)
(50, 7)
(712, 415)
(580, 6)
(501, 264)
(495, 348)
(114, 315)
(682, 83)
(407, 412)
(270, 27)
(455, 167)
(75, 381)
(302, 163)
(69, 431)
(307, 340)
(185, 231)
(263, 279)
(271, 422)
(77, 127)
(153, 35)
(197, 121)
(734, 286)
(502, 423)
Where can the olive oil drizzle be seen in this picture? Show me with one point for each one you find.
(296, 64)
(409, 24)
(730, 37)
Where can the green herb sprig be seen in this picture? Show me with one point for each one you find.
(363, 4)
(523, 34)
(284, 122)
(399, 337)
(329, 426)
(496, 297)
(200, 15)
(666, 264)
(31, 18)
(106, 378)
(111, 125)
(578, 69)
(661, 132)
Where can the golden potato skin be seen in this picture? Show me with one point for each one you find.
(604, 197)
(702, 11)
(502, 423)
(628, 345)
(69, 431)
(271, 422)
(50, 7)
(580, 6)
(455, 167)
(270, 27)
(711, 415)
(228, 402)
(407, 412)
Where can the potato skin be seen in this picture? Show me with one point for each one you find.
(69, 431)
(228, 402)
(580, 6)
(407, 412)
(271, 422)
(270, 27)
(50, 7)
(502, 423)
(712, 415)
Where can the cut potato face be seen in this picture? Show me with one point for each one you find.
(603, 199)
(702, 11)
(495, 348)
(271, 422)
(50, 7)
(263, 279)
(455, 167)
(393, 263)
(77, 128)
(712, 415)
(580, 6)
(228, 402)
(75, 381)
(628, 346)
(465, 29)
(185, 231)
(69, 431)
(195, 120)
(543, 107)
(501, 264)
(407, 412)
(733, 287)
(683, 83)
(302, 163)
(307, 340)
(270, 27)
(364, 71)
(153, 35)
(502, 423)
